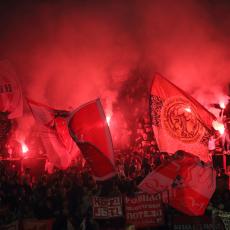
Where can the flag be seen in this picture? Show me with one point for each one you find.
(11, 100)
(89, 129)
(162, 177)
(189, 182)
(59, 154)
(197, 183)
(43, 114)
(59, 146)
(179, 122)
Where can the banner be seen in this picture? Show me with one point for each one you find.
(189, 182)
(89, 129)
(189, 222)
(105, 208)
(144, 210)
(34, 224)
(11, 100)
(179, 122)
(225, 217)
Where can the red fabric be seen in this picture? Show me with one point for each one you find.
(89, 129)
(179, 122)
(63, 132)
(189, 182)
(55, 136)
(10, 92)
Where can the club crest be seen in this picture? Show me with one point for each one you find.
(181, 121)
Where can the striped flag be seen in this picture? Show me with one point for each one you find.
(89, 129)
(189, 182)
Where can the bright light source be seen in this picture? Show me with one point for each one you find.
(108, 119)
(222, 105)
(221, 130)
(219, 126)
(188, 109)
(24, 148)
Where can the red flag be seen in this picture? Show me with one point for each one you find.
(55, 137)
(10, 92)
(197, 183)
(179, 122)
(89, 129)
(189, 182)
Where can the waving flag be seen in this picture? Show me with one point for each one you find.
(179, 122)
(193, 190)
(55, 137)
(43, 114)
(190, 183)
(10, 92)
(89, 129)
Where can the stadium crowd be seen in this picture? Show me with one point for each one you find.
(65, 195)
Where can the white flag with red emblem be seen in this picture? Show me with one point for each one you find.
(189, 182)
(179, 122)
(89, 129)
(59, 146)
(11, 100)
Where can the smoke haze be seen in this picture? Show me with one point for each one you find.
(69, 52)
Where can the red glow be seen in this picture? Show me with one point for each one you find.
(222, 105)
(219, 126)
(108, 119)
(188, 109)
(24, 148)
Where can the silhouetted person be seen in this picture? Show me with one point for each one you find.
(5, 127)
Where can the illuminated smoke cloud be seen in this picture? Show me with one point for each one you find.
(69, 52)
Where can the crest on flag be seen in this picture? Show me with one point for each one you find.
(180, 121)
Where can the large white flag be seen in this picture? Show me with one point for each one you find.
(59, 146)
(179, 122)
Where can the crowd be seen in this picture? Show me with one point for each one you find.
(65, 196)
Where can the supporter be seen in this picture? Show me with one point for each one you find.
(225, 138)
(132, 169)
(145, 166)
(5, 127)
(65, 196)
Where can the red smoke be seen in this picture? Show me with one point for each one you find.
(69, 52)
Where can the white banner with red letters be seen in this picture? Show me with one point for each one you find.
(105, 208)
(144, 210)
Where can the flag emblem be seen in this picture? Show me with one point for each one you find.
(181, 121)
